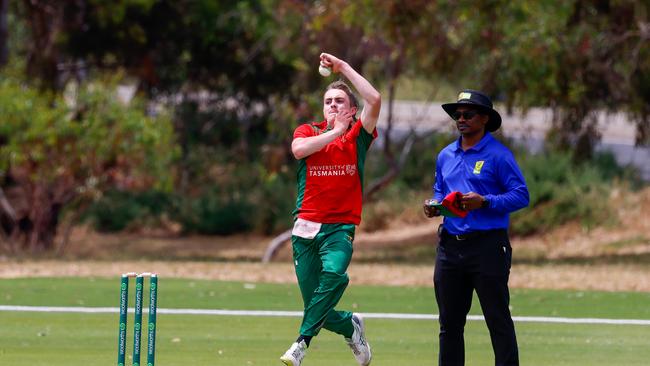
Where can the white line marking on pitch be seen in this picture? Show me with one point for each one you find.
(271, 313)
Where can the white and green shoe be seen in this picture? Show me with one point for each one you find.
(358, 343)
(295, 354)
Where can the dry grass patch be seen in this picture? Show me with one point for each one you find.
(551, 276)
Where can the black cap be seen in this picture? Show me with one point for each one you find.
(474, 98)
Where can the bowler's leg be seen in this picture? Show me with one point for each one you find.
(308, 268)
(335, 253)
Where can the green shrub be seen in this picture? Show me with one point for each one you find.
(118, 210)
(246, 198)
(274, 201)
(561, 191)
(111, 214)
(215, 211)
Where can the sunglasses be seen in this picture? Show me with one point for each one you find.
(467, 115)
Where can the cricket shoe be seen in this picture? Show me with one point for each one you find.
(358, 343)
(295, 354)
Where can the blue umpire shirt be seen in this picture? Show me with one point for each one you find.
(489, 169)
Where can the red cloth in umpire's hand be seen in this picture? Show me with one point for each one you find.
(452, 203)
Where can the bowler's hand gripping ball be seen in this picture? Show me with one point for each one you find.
(325, 71)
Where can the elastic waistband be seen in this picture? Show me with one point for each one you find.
(471, 235)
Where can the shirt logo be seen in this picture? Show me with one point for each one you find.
(332, 170)
(350, 169)
(478, 166)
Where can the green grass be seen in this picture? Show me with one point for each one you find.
(82, 339)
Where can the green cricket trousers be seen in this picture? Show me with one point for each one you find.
(321, 264)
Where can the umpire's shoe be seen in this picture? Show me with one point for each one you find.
(295, 354)
(358, 342)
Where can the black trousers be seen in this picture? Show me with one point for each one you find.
(480, 262)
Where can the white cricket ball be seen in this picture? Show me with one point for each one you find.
(325, 71)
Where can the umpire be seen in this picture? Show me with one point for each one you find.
(474, 252)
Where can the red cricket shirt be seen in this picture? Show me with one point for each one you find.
(330, 181)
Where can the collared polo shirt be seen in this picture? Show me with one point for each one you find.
(489, 169)
(330, 181)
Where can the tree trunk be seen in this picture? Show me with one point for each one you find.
(45, 20)
(43, 218)
(4, 34)
(34, 218)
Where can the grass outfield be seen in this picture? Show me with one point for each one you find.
(81, 339)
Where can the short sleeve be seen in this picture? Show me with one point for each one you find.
(364, 139)
(304, 130)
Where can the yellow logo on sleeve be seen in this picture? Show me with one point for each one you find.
(478, 167)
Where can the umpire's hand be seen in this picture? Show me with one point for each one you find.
(429, 210)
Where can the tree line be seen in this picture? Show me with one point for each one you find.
(219, 85)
